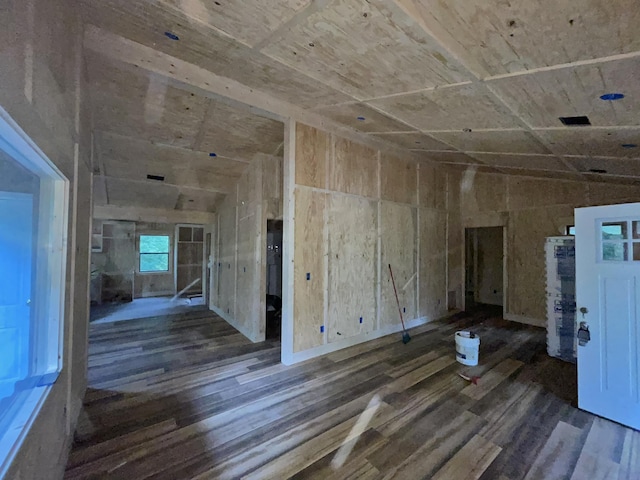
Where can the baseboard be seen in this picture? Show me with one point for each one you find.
(526, 320)
(349, 342)
(232, 321)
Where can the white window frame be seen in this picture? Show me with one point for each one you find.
(169, 254)
(51, 261)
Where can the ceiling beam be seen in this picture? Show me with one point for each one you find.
(153, 183)
(152, 215)
(193, 78)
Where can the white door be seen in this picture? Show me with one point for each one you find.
(16, 231)
(608, 301)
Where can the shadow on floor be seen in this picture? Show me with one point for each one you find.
(118, 435)
(144, 308)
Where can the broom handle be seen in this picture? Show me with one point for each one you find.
(396, 293)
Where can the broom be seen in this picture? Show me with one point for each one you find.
(405, 335)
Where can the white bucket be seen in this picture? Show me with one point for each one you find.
(467, 348)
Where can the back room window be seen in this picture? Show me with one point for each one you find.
(154, 253)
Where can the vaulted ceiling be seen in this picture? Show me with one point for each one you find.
(468, 82)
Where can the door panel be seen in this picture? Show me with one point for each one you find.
(618, 341)
(608, 299)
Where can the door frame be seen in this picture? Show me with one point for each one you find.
(488, 223)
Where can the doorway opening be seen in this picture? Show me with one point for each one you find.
(484, 267)
(274, 279)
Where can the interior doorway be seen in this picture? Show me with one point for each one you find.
(484, 267)
(274, 279)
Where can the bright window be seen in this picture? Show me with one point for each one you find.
(620, 241)
(33, 224)
(154, 253)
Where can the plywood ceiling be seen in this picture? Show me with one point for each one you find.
(466, 82)
(144, 126)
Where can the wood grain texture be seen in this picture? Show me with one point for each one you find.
(187, 396)
(398, 180)
(398, 233)
(309, 260)
(352, 224)
(353, 169)
(313, 147)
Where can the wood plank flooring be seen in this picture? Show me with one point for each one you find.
(187, 396)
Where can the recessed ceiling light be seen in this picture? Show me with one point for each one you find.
(629, 145)
(172, 36)
(612, 96)
(362, 119)
(212, 154)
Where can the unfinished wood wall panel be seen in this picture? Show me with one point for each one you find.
(432, 301)
(527, 231)
(529, 193)
(432, 188)
(607, 194)
(455, 240)
(352, 294)
(309, 269)
(242, 251)
(252, 244)
(398, 232)
(483, 193)
(227, 259)
(190, 259)
(249, 274)
(531, 209)
(398, 180)
(346, 235)
(353, 169)
(313, 148)
(272, 187)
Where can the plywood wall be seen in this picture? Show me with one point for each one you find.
(531, 209)
(355, 212)
(42, 91)
(239, 273)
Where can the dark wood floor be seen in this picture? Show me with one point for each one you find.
(188, 397)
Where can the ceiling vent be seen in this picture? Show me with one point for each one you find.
(158, 178)
(579, 121)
